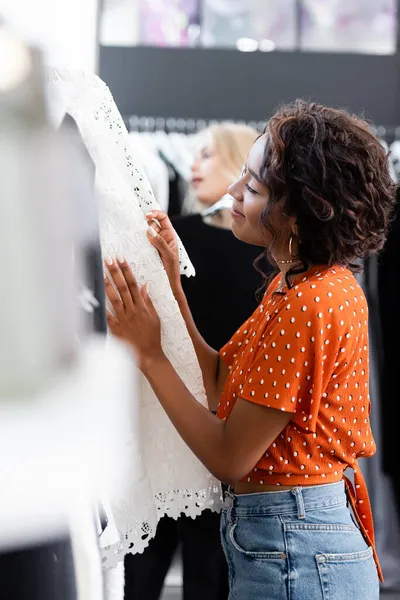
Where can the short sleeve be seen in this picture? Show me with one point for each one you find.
(229, 352)
(287, 371)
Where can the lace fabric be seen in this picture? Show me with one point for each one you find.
(162, 476)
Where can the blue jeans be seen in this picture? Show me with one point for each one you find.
(301, 544)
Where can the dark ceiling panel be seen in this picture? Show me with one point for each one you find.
(227, 84)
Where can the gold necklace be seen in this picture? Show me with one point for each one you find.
(287, 262)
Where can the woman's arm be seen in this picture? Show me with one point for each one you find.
(163, 237)
(227, 449)
(213, 369)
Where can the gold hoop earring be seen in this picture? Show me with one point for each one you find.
(290, 245)
(292, 260)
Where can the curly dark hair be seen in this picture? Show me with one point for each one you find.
(326, 167)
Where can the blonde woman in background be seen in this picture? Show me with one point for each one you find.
(218, 305)
(221, 297)
(221, 152)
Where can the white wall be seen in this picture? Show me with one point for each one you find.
(119, 23)
(65, 29)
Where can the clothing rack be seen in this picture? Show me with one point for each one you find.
(143, 124)
(389, 133)
(179, 125)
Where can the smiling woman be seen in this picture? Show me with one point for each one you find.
(250, 198)
(293, 382)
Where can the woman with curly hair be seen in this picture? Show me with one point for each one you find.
(291, 386)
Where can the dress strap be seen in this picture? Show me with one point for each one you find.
(361, 505)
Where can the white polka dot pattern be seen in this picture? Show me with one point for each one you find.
(305, 351)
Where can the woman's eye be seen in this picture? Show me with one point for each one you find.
(251, 190)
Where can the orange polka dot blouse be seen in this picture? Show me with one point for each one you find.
(305, 351)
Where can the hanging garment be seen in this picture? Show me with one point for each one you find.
(177, 189)
(393, 157)
(155, 169)
(383, 502)
(387, 280)
(388, 309)
(171, 480)
(177, 151)
(223, 293)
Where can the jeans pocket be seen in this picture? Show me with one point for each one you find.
(353, 575)
(239, 545)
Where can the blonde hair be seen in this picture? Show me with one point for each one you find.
(232, 143)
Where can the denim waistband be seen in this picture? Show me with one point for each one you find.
(296, 501)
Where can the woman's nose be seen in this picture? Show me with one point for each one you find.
(235, 190)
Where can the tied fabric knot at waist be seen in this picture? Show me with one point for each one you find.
(361, 505)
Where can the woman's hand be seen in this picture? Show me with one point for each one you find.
(135, 320)
(163, 237)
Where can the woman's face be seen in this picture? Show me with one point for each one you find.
(250, 198)
(208, 179)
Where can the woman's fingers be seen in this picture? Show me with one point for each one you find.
(115, 269)
(160, 216)
(162, 220)
(113, 297)
(160, 244)
(130, 281)
(154, 226)
(164, 239)
(113, 325)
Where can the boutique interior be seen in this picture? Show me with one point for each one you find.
(110, 109)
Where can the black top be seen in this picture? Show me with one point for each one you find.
(223, 293)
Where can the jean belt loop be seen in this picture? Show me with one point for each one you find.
(229, 502)
(298, 494)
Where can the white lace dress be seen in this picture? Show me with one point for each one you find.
(168, 479)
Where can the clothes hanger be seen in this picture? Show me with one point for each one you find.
(225, 203)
